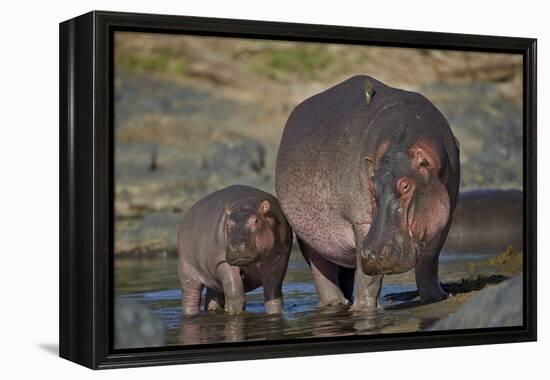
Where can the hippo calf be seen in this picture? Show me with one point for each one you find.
(232, 241)
(368, 176)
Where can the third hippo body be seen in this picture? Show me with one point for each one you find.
(231, 241)
(368, 175)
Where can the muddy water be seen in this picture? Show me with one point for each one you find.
(154, 282)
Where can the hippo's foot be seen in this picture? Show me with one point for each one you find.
(367, 291)
(190, 311)
(338, 301)
(363, 308)
(235, 305)
(427, 280)
(274, 306)
(433, 294)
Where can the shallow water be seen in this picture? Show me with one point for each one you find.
(155, 283)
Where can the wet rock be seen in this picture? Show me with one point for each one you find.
(139, 95)
(489, 129)
(509, 262)
(153, 234)
(486, 220)
(137, 326)
(495, 306)
(236, 157)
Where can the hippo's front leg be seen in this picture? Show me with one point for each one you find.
(367, 287)
(233, 288)
(273, 293)
(426, 270)
(273, 298)
(367, 290)
(427, 279)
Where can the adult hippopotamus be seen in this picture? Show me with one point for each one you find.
(368, 176)
(487, 220)
(232, 241)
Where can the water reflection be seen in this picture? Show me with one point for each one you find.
(214, 327)
(155, 284)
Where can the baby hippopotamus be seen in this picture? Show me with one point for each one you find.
(232, 241)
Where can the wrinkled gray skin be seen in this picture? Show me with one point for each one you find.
(367, 176)
(232, 241)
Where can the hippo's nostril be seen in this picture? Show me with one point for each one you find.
(232, 248)
(243, 245)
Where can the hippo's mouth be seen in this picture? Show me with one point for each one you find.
(240, 261)
(391, 259)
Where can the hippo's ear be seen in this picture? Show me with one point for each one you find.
(227, 210)
(421, 159)
(425, 159)
(264, 207)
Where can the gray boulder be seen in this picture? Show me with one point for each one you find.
(237, 157)
(137, 326)
(494, 306)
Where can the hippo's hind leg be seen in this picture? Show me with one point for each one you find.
(233, 288)
(325, 277)
(346, 282)
(214, 300)
(191, 290)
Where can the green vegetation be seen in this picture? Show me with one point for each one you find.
(305, 61)
(509, 262)
(164, 61)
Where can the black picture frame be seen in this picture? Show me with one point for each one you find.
(87, 195)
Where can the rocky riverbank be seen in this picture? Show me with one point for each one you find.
(197, 114)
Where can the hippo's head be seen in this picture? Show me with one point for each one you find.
(248, 232)
(411, 207)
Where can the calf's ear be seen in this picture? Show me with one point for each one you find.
(264, 207)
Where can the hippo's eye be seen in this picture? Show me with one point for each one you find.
(404, 185)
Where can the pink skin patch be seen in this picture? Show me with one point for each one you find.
(428, 217)
(265, 237)
(430, 211)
